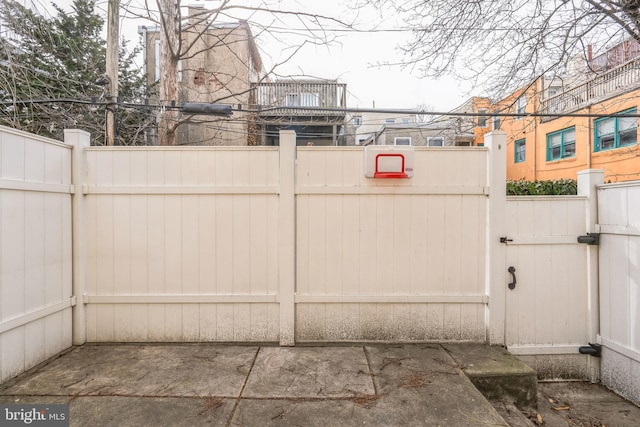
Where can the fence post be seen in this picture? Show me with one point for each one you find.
(80, 140)
(588, 180)
(287, 237)
(495, 279)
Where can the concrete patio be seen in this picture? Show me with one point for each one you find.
(232, 385)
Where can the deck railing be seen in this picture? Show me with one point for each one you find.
(615, 81)
(290, 97)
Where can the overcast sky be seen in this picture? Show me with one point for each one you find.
(352, 58)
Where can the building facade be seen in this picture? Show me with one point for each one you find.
(581, 123)
(219, 63)
(389, 128)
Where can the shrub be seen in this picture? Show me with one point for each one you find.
(555, 187)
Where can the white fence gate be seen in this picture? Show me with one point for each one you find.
(548, 307)
(619, 219)
(552, 287)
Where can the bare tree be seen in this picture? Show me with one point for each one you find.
(52, 74)
(185, 38)
(505, 44)
(422, 115)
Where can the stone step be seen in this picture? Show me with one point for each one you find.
(496, 373)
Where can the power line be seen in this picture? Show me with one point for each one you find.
(264, 109)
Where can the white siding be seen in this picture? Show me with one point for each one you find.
(35, 250)
(619, 218)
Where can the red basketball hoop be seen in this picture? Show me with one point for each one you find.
(400, 174)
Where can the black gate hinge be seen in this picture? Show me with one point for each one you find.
(594, 350)
(590, 239)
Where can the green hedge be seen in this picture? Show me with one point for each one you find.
(555, 187)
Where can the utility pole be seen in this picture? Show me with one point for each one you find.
(113, 18)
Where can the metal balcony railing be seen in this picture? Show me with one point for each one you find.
(618, 80)
(299, 98)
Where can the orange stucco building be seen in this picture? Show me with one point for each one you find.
(556, 129)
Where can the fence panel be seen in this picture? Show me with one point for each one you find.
(35, 250)
(380, 259)
(182, 244)
(548, 310)
(619, 219)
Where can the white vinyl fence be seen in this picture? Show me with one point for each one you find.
(35, 253)
(268, 244)
(619, 219)
(285, 244)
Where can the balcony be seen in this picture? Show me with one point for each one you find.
(616, 81)
(300, 101)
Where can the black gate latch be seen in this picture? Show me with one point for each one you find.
(590, 239)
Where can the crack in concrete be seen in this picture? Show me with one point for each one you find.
(244, 384)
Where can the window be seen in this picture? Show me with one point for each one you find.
(615, 132)
(561, 144)
(496, 122)
(389, 121)
(435, 141)
(521, 106)
(483, 120)
(553, 91)
(402, 140)
(357, 120)
(405, 120)
(302, 99)
(520, 149)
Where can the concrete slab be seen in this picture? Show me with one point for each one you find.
(142, 370)
(578, 403)
(415, 385)
(208, 384)
(405, 365)
(309, 372)
(422, 382)
(385, 411)
(496, 373)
